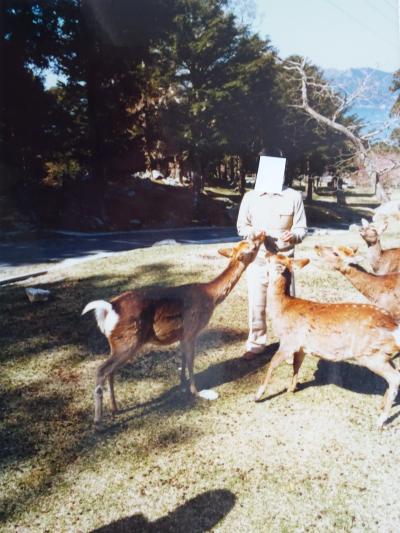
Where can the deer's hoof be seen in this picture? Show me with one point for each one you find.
(381, 421)
(208, 394)
(258, 395)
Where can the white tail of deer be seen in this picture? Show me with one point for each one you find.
(163, 316)
(335, 332)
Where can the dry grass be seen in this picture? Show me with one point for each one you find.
(305, 462)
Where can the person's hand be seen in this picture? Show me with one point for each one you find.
(287, 236)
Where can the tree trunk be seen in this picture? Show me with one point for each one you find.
(310, 182)
(92, 87)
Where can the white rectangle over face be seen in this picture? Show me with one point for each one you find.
(271, 174)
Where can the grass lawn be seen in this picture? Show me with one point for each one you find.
(311, 461)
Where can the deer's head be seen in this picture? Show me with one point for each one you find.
(339, 257)
(372, 232)
(244, 251)
(280, 265)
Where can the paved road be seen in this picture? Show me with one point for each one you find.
(68, 245)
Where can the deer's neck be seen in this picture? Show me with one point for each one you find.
(360, 279)
(374, 254)
(219, 288)
(278, 294)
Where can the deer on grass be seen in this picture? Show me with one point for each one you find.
(381, 261)
(164, 316)
(383, 291)
(332, 331)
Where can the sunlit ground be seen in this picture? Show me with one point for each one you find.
(311, 461)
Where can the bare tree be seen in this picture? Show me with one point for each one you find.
(314, 90)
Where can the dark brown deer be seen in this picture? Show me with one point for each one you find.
(164, 316)
(333, 331)
(383, 291)
(381, 261)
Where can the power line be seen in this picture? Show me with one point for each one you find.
(360, 23)
(393, 6)
(380, 12)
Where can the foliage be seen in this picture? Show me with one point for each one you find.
(141, 84)
(396, 87)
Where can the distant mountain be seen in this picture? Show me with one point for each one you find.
(374, 104)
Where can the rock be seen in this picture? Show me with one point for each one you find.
(156, 174)
(354, 227)
(37, 295)
(166, 242)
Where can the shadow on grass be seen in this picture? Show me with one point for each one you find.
(179, 399)
(152, 356)
(197, 515)
(19, 438)
(348, 376)
(353, 378)
(344, 375)
(332, 215)
(27, 329)
(42, 417)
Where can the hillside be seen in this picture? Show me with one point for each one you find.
(374, 105)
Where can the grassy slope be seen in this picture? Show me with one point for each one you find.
(305, 462)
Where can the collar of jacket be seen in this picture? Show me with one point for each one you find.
(262, 193)
(265, 193)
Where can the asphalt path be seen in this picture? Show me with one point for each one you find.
(64, 246)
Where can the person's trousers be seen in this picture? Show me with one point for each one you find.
(257, 286)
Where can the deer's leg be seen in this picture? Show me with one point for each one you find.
(188, 356)
(297, 362)
(188, 347)
(104, 371)
(183, 366)
(384, 368)
(114, 408)
(383, 401)
(393, 378)
(277, 359)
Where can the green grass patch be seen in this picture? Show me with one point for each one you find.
(311, 461)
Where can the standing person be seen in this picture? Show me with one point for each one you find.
(281, 215)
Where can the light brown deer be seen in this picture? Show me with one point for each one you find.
(164, 316)
(383, 291)
(381, 261)
(336, 332)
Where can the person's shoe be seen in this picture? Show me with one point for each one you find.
(249, 356)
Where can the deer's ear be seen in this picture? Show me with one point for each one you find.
(349, 251)
(364, 223)
(300, 263)
(226, 252)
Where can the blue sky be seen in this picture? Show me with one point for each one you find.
(332, 33)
